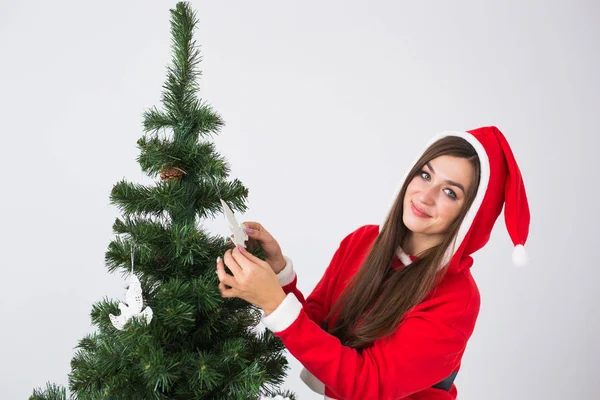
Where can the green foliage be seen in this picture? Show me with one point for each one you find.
(52, 392)
(198, 345)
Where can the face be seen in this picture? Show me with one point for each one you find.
(438, 191)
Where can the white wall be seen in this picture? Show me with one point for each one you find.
(326, 105)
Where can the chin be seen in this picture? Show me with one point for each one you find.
(412, 225)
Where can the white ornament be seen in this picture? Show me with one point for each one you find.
(278, 397)
(134, 308)
(134, 305)
(239, 233)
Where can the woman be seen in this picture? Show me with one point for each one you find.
(391, 317)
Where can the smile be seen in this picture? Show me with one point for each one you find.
(418, 212)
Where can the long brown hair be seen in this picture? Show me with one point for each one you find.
(377, 297)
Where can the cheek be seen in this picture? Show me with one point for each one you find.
(449, 210)
(410, 191)
(412, 187)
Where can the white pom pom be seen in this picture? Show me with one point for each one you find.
(519, 256)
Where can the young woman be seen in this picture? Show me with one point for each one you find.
(391, 317)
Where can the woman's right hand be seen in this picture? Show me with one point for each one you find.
(260, 237)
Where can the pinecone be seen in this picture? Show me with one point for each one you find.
(172, 173)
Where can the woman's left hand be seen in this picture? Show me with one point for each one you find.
(253, 280)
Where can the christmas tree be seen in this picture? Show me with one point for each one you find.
(188, 342)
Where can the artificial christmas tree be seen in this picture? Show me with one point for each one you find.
(174, 336)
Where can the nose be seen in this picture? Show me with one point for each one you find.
(427, 196)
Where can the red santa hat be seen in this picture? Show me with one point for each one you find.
(516, 206)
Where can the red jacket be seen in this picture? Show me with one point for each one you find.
(424, 351)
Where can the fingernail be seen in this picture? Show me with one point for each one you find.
(241, 248)
(218, 260)
(249, 230)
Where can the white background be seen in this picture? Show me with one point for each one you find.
(326, 103)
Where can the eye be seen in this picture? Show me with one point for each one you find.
(451, 193)
(425, 175)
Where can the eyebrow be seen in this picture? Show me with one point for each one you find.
(458, 185)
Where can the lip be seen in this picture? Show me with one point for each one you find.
(417, 211)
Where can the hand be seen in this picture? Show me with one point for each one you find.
(252, 280)
(260, 237)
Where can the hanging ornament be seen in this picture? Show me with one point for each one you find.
(239, 230)
(134, 305)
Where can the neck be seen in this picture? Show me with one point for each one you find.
(416, 243)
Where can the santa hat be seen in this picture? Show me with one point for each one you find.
(516, 206)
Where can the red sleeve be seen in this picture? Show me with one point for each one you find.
(315, 305)
(423, 351)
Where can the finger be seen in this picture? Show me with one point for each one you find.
(254, 229)
(227, 293)
(254, 225)
(224, 277)
(244, 256)
(232, 263)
